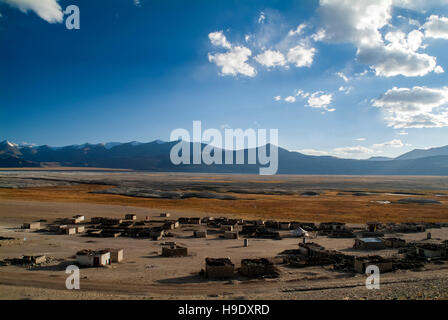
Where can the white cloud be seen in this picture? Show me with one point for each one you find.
(49, 10)
(360, 23)
(354, 21)
(27, 144)
(277, 98)
(346, 90)
(317, 100)
(410, 21)
(319, 35)
(290, 99)
(362, 74)
(342, 76)
(301, 93)
(353, 150)
(298, 30)
(419, 4)
(414, 41)
(320, 100)
(399, 56)
(270, 58)
(301, 55)
(417, 107)
(403, 133)
(346, 152)
(439, 69)
(137, 3)
(436, 27)
(396, 143)
(262, 17)
(272, 48)
(219, 39)
(313, 152)
(356, 151)
(234, 61)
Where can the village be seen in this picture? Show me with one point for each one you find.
(367, 243)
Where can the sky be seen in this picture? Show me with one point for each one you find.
(352, 79)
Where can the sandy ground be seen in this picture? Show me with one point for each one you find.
(146, 275)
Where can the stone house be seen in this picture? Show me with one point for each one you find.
(174, 251)
(361, 264)
(31, 225)
(257, 268)
(231, 234)
(116, 255)
(220, 268)
(200, 234)
(369, 244)
(130, 217)
(90, 258)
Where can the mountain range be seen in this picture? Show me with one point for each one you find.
(155, 156)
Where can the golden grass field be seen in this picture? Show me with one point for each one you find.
(330, 206)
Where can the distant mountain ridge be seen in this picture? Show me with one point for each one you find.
(155, 156)
(380, 159)
(424, 153)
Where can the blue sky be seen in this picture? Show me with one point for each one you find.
(336, 77)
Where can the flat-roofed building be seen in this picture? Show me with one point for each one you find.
(116, 255)
(70, 230)
(90, 258)
(369, 244)
(31, 225)
(220, 268)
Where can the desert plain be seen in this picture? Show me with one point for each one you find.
(47, 195)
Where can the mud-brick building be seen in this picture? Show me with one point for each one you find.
(220, 268)
(369, 244)
(200, 234)
(231, 235)
(31, 225)
(90, 258)
(80, 217)
(70, 230)
(431, 250)
(257, 268)
(174, 251)
(116, 255)
(395, 243)
(332, 226)
(362, 263)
